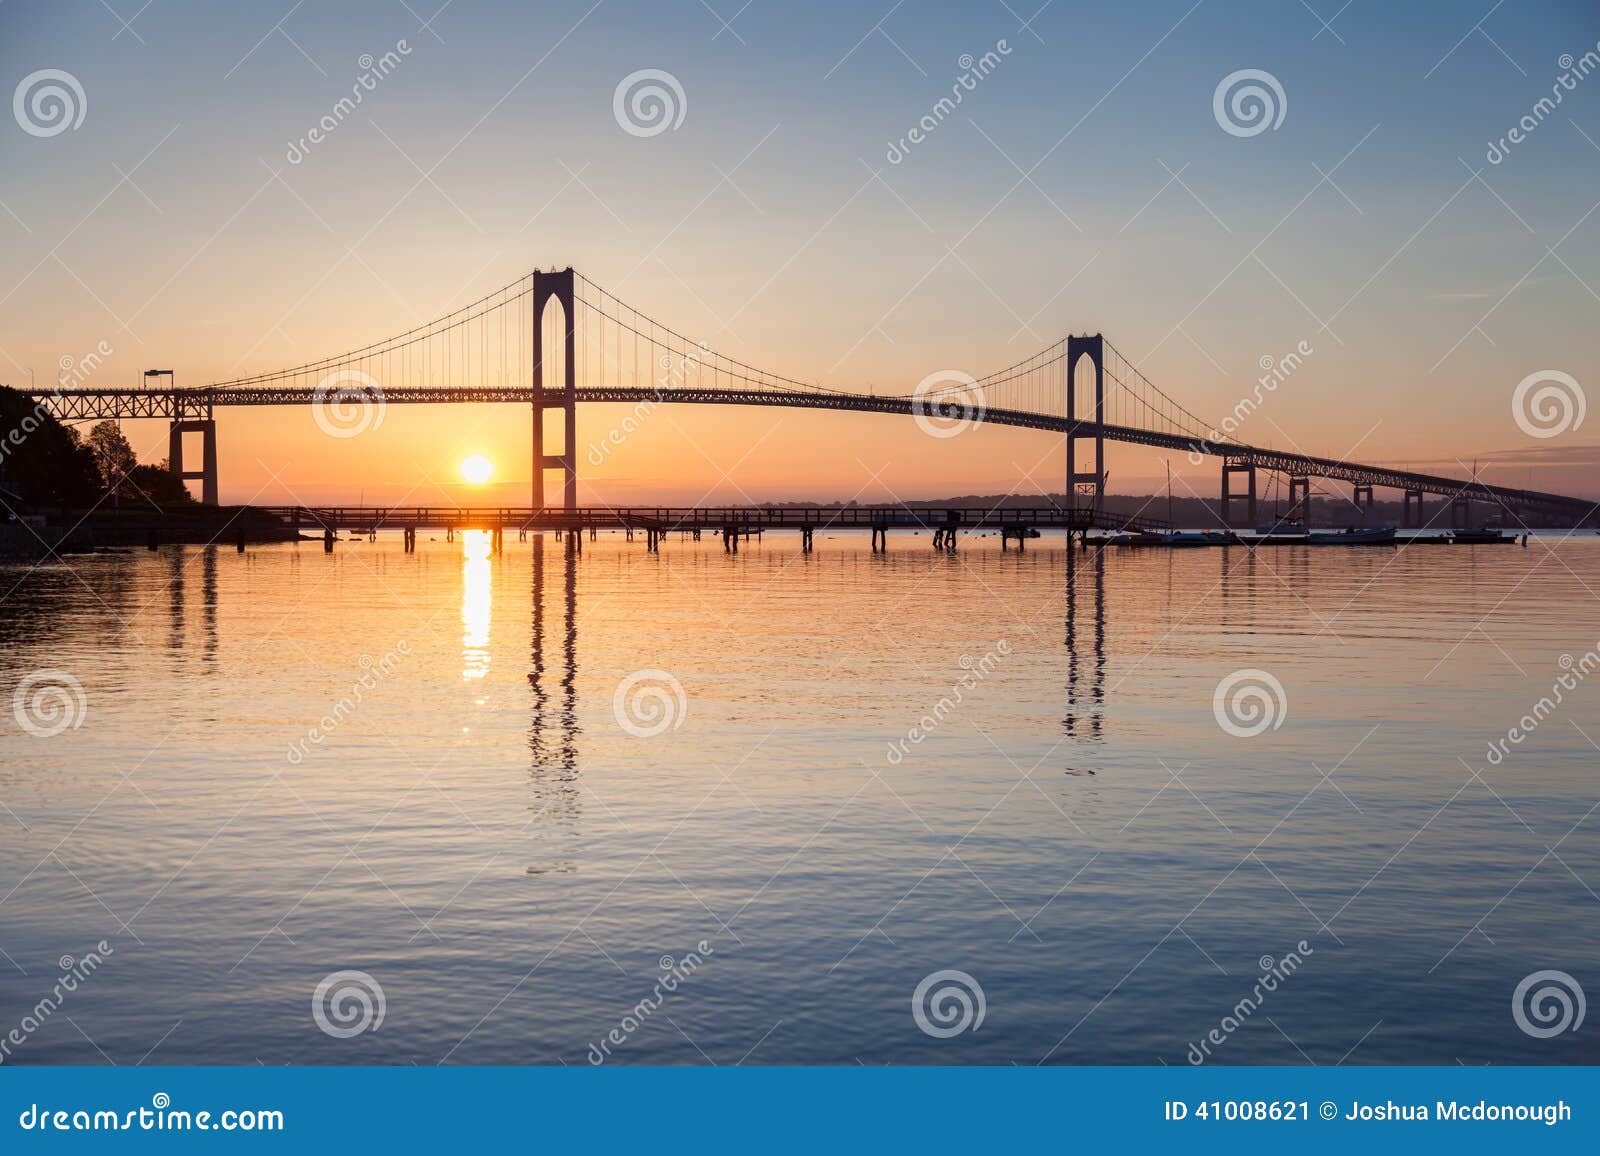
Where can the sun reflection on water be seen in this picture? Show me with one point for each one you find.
(476, 599)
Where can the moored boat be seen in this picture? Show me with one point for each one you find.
(1379, 536)
(1191, 538)
(1133, 538)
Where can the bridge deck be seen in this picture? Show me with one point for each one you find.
(669, 518)
(175, 404)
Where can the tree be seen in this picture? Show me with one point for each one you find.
(41, 459)
(161, 485)
(113, 456)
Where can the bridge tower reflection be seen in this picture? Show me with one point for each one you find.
(553, 727)
(1086, 689)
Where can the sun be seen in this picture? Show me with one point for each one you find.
(476, 469)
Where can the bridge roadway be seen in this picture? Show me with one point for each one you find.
(668, 519)
(181, 404)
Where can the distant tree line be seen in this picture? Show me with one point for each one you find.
(48, 464)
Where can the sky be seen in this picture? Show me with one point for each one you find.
(1088, 182)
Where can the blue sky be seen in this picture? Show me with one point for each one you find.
(1083, 185)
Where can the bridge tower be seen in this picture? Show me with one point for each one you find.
(185, 422)
(558, 285)
(1089, 483)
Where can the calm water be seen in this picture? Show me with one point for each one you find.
(1063, 819)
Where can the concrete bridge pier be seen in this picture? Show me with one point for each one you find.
(327, 539)
(1231, 498)
(1411, 509)
(880, 539)
(1362, 497)
(410, 539)
(1300, 499)
(1460, 513)
(207, 474)
(805, 539)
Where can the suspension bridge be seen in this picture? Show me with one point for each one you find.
(554, 340)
